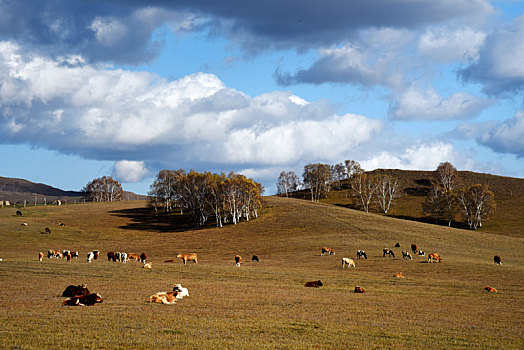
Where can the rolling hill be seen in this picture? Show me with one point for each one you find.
(19, 190)
(258, 305)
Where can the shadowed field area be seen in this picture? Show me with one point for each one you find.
(258, 305)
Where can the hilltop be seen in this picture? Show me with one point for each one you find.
(414, 186)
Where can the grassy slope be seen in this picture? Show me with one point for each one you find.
(509, 196)
(258, 305)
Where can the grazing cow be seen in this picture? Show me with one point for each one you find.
(18, 213)
(348, 262)
(143, 258)
(74, 255)
(361, 254)
(73, 291)
(406, 255)
(167, 298)
(421, 253)
(96, 253)
(24, 223)
(387, 251)
(414, 248)
(182, 292)
(133, 256)
(54, 254)
(398, 275)
(47, 230)
(123, 257)
(65, 252)
(148, 265)
(90, 256)
(359, 289)
(111, 256)
(255, 258)
(434, 256)
(397, 245)
(497, 260)
(491, 289)
(188, 257)
(40, 256)
(327, 250)
(83, 300)
(314, 284)
(50, 254)
(238, 260)
(68, 256)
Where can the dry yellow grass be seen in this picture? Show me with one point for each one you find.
(259, 305)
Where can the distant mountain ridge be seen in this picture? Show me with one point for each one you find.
(19, 190)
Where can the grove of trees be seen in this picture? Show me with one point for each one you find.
(103, 189)
(227, 198)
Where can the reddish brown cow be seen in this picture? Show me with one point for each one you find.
(188, 257)
(359, 289)
(83, 300)
(133, 256)
(111, 256)
(314, 284)
(167, 298)
(73, 291)
(434, 256)
(327, 250)
(414, 248)
(491, 289)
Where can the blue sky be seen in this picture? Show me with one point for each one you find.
(128, 88)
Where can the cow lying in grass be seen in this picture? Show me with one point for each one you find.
(398, 275)
(167, 298)
(83, 300)
(348, 262)
(182, 292)
(359, 289)
(148, 265)
(73, 291)
(491, 289)
(314, 284)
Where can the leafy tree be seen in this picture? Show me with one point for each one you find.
(287, 182)
(103, 189)
(447, 180)
(316, 178)
(477, 203)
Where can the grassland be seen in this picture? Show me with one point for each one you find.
(259, 305)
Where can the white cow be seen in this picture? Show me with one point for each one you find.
(349, 262)
(182, 292)
(123, 257)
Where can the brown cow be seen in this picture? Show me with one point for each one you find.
(434, 256)
(359, 289)
(238, 260)
(314, 284)
(327, 250)
(387, 251)
(491, 289)
(414, 248)
(167, 298)
(143, 258)
(73, 291)
(83, 300)
(398, 275)
(190, 256)
(40, 256)
(497, 260)
(133, 256)
(111, 256)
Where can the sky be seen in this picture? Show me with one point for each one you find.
(93, 88)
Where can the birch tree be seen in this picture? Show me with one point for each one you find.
(316, 178)
(363, 186)
(386, 192)
(447, 180)
(477, 203)
(287, 182)
(103, 189)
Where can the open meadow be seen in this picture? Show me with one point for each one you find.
(260, 304)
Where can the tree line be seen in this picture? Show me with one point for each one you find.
(446, 198)
(228, 198)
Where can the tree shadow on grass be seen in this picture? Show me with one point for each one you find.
(144, 219)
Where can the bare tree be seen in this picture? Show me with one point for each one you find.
(433, 203)
(316, 178)
(386, 192)
(363, 186)
(287, 182)
(477, 203)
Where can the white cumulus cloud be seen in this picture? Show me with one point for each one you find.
(130, 171)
